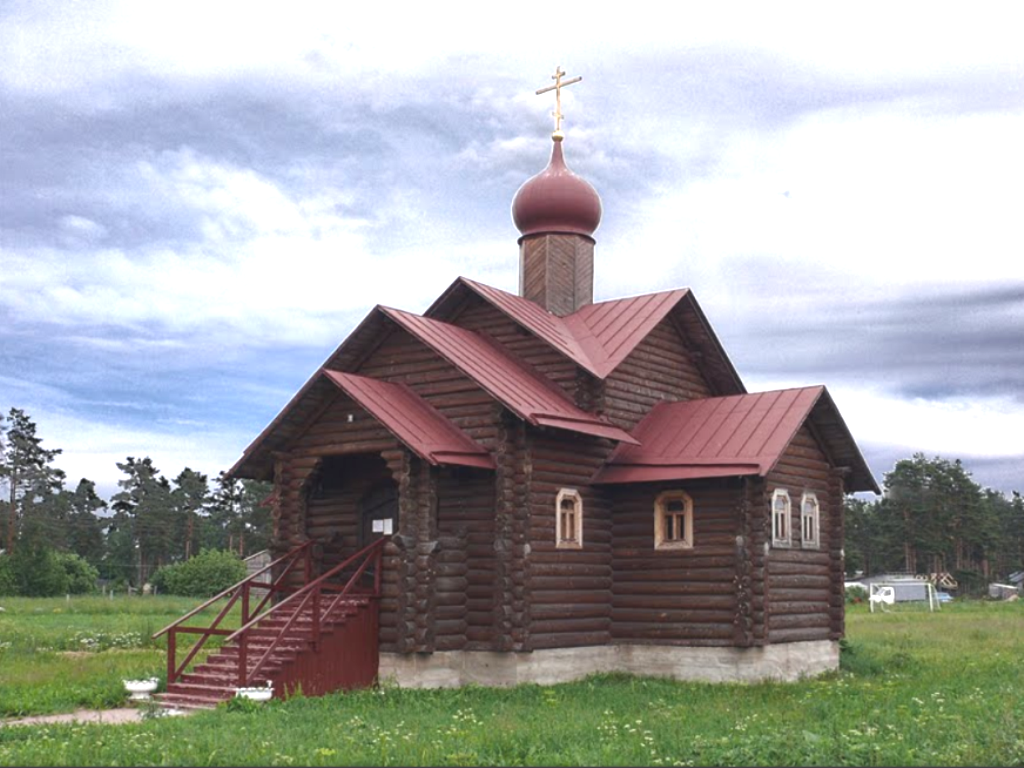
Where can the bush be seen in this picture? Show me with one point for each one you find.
(856, 595)
(206, 574)
(81, 575)
(43, 572)
(38, 572)
(8, 584)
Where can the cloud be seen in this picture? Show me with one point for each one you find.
(194, 215)
(92, 449)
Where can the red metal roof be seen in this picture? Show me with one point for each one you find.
(524, 392)
(714, 437)
(616, 327)
(541, 323)
(598, 337)
(413, 421)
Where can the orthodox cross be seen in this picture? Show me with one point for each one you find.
(557, 88)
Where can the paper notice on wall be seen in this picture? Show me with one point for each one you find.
(387, 526)
(382, 526)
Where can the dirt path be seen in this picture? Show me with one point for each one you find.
(107, 716)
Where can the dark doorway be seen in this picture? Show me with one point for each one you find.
(378, 512)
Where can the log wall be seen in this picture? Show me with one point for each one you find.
(659, 368)
(466, 572)
(478, 315)
(403, 358)
(800, 581)
(569, 589)
(676, 596)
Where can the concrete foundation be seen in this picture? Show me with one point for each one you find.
(451, 669)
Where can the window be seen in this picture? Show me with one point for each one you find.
(673, 521)
(568, 520)
(781, 510)
(809, 522)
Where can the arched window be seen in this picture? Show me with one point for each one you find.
(673, 520)
(781, 514)
(810, 535)
(568, 519)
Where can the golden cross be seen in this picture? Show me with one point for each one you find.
(557, 88)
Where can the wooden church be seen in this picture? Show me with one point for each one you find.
(558, 487)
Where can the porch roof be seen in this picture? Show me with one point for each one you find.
(412, 420)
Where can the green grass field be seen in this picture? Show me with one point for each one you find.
(915, 689)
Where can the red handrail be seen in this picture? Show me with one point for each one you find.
(239, 590)
(311, 592)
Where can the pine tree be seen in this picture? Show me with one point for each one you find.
(239, 519)
(27, 476)
(144, 507)
(190, 497)
(85, 528)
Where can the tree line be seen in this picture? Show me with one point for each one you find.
(149, 523)
(933, 518)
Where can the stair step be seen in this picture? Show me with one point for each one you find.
(265, 641)
(231, 659)
(192, 700)
(230, 672)
(210, 684)
(222, 681)
(206, 688)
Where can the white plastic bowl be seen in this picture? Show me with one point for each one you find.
(141, 689)
(256, 694)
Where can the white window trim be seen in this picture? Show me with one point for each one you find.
(787, 539)
(814, 515)
(577, 543)
(660, 509)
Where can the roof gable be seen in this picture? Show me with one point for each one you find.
(732, 436)
(414, 421)
(613, 329)
(398, 409)
(599, 337)
(508, 380)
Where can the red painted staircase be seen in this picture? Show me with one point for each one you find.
(319, 638)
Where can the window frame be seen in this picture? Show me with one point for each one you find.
(815, 541)
(661, 513)
(787, 516)
(577, 512)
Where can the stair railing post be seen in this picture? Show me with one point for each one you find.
(378, 560)
(172, 638)
(243, 658)
(316, 619)
(245, 603)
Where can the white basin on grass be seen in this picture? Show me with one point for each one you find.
(141, 689)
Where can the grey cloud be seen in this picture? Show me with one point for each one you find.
(965, 341)
(1004, 474)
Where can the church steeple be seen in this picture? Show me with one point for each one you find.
(557, 213)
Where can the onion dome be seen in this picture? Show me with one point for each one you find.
(556, 200)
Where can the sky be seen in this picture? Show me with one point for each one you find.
(199, 201)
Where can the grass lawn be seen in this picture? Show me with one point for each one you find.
(57, 655)
(915, 689)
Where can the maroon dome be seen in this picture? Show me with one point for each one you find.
(556, 200)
